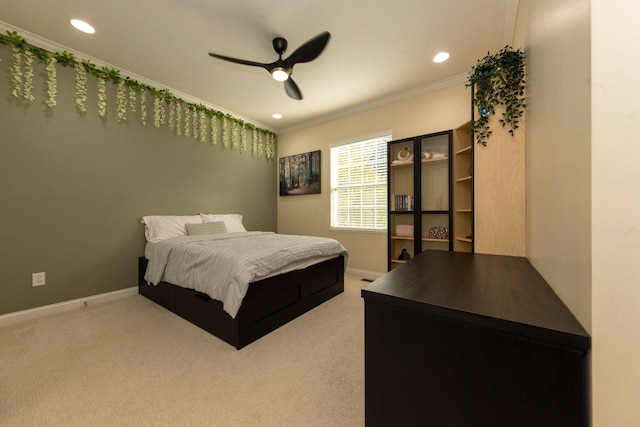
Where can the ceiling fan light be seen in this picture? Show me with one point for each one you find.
(280, 74)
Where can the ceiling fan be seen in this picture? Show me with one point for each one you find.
(282, 69)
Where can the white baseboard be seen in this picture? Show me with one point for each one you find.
(369, 275)
(34, 313)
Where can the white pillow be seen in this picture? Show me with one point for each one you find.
(217, 227)
(160, 227)
(232, 221)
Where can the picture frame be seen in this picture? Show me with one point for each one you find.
(300, 174)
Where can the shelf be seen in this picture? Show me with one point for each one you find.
(465, 179)
(434, 160)
(400, 164)
(463, 185)
(402, 237)
(464, 239)
(426, 239)
(440, 212)
(401, 212)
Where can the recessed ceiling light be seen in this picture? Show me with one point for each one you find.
(441, 57)
(276, 116)
(82, 26)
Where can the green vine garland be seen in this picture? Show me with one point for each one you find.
(198, 113)
(498, 80)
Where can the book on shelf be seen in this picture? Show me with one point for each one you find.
(402, 202)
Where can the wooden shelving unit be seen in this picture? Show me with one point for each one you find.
(463, 212)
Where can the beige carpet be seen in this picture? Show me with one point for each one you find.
(132, 363)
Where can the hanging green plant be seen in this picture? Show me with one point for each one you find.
(195, 115)
(202, 131)
(28, 76)
(16, 73)
(121, 101)
(498, 79)
(102, 97)
(52, 90)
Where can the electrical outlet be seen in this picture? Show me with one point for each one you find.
(38, 279)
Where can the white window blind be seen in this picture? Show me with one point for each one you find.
(359, 185)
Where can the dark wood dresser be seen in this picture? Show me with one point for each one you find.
(459, 339)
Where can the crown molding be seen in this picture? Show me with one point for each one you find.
(400, 96)
(52, 46)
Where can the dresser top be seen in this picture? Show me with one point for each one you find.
(503, 293)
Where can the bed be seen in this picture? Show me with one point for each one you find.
(236, 284)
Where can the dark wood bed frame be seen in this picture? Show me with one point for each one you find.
(268, 304)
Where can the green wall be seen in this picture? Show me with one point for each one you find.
(73, 190)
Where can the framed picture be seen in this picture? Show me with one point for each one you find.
(300, 174)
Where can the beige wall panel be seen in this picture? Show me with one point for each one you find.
(615, 207)
(557, 44)
(499, 191)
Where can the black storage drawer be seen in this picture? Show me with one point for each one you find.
(162, 293)
(202, 310)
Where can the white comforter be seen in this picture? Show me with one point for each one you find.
(223, 265)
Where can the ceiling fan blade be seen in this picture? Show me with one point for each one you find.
(308, 51)
(292, 89)
(240, 61)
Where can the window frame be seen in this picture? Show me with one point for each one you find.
(386, 137)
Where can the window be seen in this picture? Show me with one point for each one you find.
(359, 184)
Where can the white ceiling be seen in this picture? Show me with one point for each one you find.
(379, 51)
